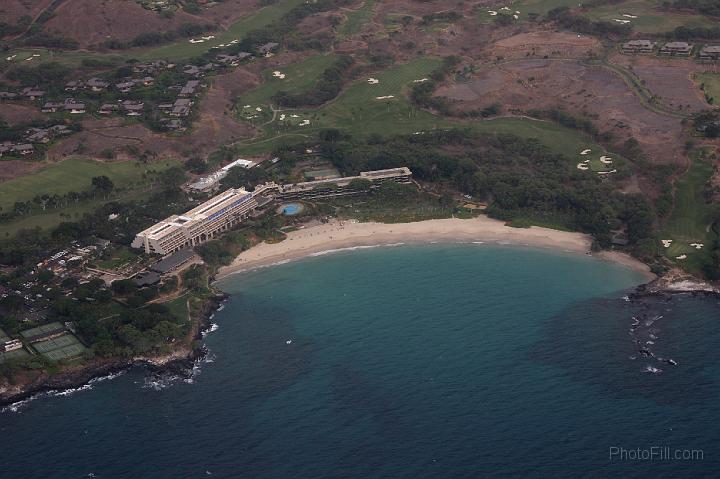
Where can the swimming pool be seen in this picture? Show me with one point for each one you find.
(291, 209)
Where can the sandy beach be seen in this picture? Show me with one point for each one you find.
(334, 235)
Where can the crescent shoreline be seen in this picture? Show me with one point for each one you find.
(338, 234)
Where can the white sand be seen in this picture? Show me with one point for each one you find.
(338, 235)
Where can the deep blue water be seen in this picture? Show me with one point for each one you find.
(441, 361)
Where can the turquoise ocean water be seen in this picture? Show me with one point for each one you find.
(457, 361)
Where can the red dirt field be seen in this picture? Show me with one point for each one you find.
(591, 92)
(541, 43)
(14, 114)
(90, 22)
(10, 169)
(671, 80)
(12, 10)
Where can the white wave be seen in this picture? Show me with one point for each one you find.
(213, 327)
(652, 369)
(71, 391)
(354, 248)
(15, 407)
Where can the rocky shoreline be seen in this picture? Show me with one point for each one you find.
(179, 362)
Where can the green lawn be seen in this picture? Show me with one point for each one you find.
(68, 58)
(120, 256)
(650, 18)
(691, 217)
(711, 85)
(525, 7)
(299, 77)
(358, 111)
(178, 307)
(75, 175)
(357, 18)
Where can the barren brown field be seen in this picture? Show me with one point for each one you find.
(591, 92)
(550, 43)
(12, 10)
(14, 114)
(90, 22)
(10, 169)
(670, 80)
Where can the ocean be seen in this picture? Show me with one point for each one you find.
(435, 361)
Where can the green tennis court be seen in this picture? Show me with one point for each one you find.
(62, 347)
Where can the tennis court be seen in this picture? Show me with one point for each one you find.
(15, 354)
(41, 330)
(62, 347)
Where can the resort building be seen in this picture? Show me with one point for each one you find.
(343, 186)
(10, 345)
(200, 224)
(677, 49)
(212, 181)
(710, 53)
(638, 46)
(226, 210)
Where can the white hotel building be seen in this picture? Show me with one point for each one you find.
(200, 224)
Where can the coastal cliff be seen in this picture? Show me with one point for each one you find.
(179, 361)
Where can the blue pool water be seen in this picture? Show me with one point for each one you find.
(292, 209)
(441, 361)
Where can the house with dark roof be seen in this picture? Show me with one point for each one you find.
(190, 88)
(125, 86)
(23, 149)
(267, 48)
(709, 52)
(74, 85)
(97, 84)
(33, 93)
(181, 107)
(682, 49)
(108, 108)
(132, 107)
(146, 278)
(173, 261)
(638, 46)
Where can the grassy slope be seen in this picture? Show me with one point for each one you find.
(357, 18)
(357, 111)
(525, 7)
(650, 18)
(712, 85)
(690, 217)
(299, 77)
(184, 49)
(71, 175)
